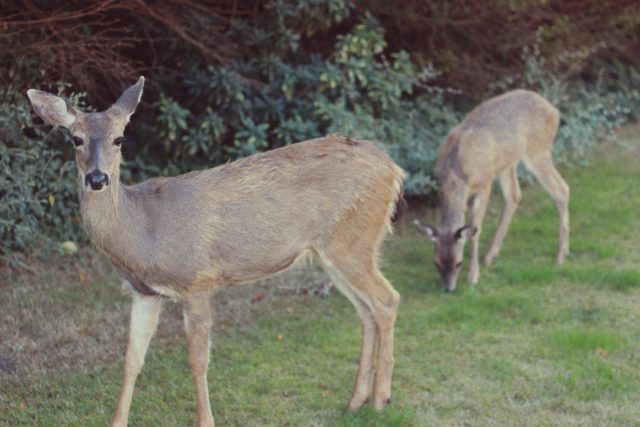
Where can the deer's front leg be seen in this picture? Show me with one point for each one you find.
(477, 216)
(197, 317)
(145, 312)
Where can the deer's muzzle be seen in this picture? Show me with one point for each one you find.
(96, 180)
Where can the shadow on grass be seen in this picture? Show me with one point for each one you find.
(367, 416)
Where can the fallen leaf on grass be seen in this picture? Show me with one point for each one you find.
(280, 337)
(602, 352)
(9, 320)
(259, 296)
(82, 329)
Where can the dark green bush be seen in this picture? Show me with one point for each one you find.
(287, 94)
(37, 180)
(286, 72)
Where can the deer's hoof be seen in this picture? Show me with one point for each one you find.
(488, 259)
(473, 278)
(357, 402)
(380, 403)
(560, 258)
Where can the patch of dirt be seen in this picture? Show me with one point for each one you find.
(70, 313)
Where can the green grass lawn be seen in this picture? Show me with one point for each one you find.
(532, 344)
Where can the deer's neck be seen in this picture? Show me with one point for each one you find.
(454, 203)
(109, 217)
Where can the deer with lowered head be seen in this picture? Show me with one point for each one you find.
(491, 141)
(184, 236)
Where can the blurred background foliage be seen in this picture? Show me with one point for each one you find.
(227, 79)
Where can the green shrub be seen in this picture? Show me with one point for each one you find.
(278, 93)
(305, 69)
(37, 179)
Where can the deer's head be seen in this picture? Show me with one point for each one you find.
(97, 137)
(449, 251)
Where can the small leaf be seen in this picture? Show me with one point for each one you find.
(259, 296)
(69, 247)
(52, 200)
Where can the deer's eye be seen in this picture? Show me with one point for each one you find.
(118, 141)
(77, 141)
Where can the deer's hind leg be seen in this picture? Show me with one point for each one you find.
(368, 348)
(512, 195)
(376, 302)
(197, 319)
(145, 312)
(545, 172)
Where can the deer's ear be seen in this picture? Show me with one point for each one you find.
(130, 98)
(466, 231)
(427, 230)
(53, 109)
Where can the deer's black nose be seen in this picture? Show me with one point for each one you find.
(96, 180)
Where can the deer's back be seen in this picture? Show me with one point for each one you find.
(498, 133)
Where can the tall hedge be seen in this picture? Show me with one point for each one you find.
(229, 79)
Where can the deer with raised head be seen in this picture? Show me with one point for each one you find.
(491, 141)
(181, 237)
